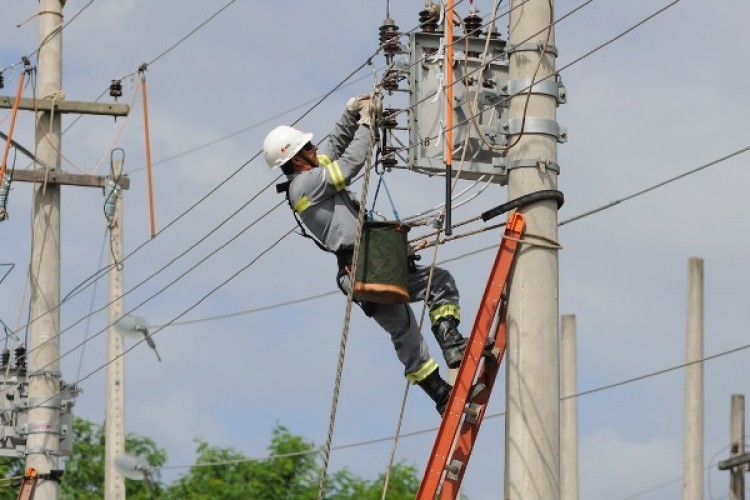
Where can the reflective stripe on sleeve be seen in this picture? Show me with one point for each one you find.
(325, 160)
(302, 204)
(445, 311)
(427, 368)
(337, 177)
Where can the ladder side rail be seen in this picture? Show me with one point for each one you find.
(488, 308)
(27, 484)
(470, 427)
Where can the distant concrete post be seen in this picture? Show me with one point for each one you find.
(692, 483)
(737, 478)
(568, 410)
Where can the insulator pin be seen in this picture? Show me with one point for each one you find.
(389, 36)
(428, 19)
(390, 80)
(389, 118)
(115, 89)
(388, 159)
(21, 358)
(473, 25)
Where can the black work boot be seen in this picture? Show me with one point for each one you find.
(450, 341)
(438, 389)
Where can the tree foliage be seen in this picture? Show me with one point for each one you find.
(291, 472)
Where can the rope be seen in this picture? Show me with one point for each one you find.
(445, 208)
(350, 296)
(142, 71)
(13, 115)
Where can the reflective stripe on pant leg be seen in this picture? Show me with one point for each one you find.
(443, 300)
(445, 311)
(421, 374)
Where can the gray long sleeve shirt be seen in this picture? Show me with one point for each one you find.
(327, 208)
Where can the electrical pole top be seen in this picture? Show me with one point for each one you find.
(64, 178)
(51, 175)
(63, 106)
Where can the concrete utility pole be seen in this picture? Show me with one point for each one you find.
(114, 442)
(43, 430)
(532, 450)
(569, 409)
(739, 459)
(43, 440)
(692, 483)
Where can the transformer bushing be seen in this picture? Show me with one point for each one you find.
(389, 118)
(473, 25)
(428, 20)
(388, 159)
(389, 39)
(390, 80)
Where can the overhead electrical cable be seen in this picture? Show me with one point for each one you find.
(486, 417)
(191, 33)
(98, 275)
(555, 74)
(494, 247)
(55, 31)
(361, 66)
(154, 295)
(180, 315)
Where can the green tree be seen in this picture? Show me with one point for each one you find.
(84, 469)
(292, 473)
(83, 477)
(403, 484)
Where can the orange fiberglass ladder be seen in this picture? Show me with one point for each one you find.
(27, 484)
(481, 363)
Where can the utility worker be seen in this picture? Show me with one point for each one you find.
(317, 192)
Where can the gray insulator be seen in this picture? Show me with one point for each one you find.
(111, 192)
(4, 190)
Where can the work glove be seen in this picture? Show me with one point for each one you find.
(354, 105)
(364, 113)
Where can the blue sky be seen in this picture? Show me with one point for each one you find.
(662, 100)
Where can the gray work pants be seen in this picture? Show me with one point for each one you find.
(399, 320)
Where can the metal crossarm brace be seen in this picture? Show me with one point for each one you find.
(448, 462)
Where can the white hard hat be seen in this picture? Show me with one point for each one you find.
(282, 143)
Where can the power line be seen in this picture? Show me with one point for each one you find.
(367, 61)
(255, 310)
(191, 33)
(653, 15)
(183, 313)
(155, 294)
(555, 74)
(494, 247)
(486, 417)
(96, 276)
